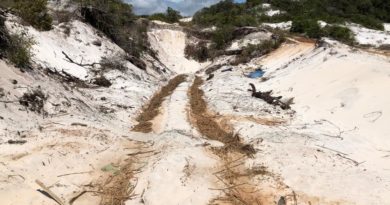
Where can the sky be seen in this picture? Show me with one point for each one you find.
(186, 7)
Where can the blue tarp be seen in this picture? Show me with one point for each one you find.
(258, 73)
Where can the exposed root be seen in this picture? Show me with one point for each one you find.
(150, 111)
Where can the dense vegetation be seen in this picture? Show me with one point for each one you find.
(305, 15)
(313, 30)
(370, 13)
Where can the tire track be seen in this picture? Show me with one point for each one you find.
(150, 111)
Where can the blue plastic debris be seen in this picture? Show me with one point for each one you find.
(258, 73)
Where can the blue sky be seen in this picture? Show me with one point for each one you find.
(186, 7)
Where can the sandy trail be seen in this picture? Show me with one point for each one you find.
(181, 173)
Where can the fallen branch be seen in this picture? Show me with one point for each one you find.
(79, 64)
(138, 153)
(8, 101)
(266, 96)
(62, 175)
(71, 201)
(347, 158)
(49, 193)
(228, 168)
(331, 150)
(78, 124)
(231, 187)
(19, 142)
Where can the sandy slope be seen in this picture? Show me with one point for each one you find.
(170, 42)
(331, 148)
(335, 147)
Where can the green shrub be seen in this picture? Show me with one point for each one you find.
(19, 50)
(4, 37)
(369, 13)
(34, 12)
(223, 36)
(309, 27)
(252, 51)
(339, 33)
(16, 47)
(198, 52)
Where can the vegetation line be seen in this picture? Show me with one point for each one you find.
(151, 111)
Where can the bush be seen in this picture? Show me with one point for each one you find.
(19, 50)
(35, 13)
(198, 52)
(4, 38)
(223, 36)
(117, 21)
(339, 33)
(16, 47)
(114, 62)
(309, 27)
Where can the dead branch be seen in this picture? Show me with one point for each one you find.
(267, 97)
(78, 124)
(71, 201)
(352, 160)
(331, 150)
(79, 64)
(75, 173)
(228, 168)
(50, 193)
(17, 175)
(8, 101)
(231, 187)
(139, 153)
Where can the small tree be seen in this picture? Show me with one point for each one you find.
(173, 15)
(35, 13)
(170, 16)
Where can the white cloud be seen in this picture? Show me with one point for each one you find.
(186, 7)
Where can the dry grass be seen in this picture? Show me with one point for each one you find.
(151, 111)
(118, 189)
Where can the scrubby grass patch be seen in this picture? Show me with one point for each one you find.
(35, 13)
(15, 47)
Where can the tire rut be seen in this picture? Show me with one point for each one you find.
(152, 109)
(234, 176)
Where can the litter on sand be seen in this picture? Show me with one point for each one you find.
(258, 73)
